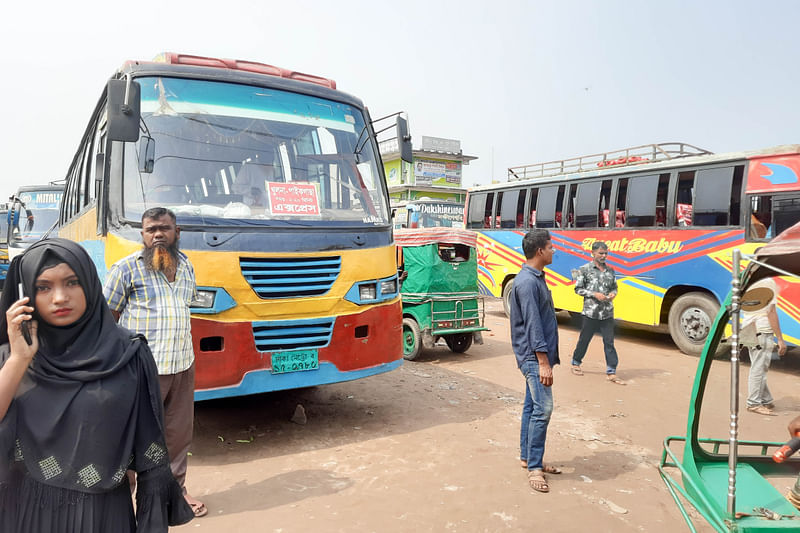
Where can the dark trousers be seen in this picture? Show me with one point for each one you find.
(177, 393)
(606, 328)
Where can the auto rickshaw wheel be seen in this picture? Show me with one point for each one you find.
(459, 342)
(412, 339)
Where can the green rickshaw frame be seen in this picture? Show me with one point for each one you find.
(727, 488)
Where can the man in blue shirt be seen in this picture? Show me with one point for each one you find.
(534, 337)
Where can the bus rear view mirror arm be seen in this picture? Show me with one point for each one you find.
(124, 110)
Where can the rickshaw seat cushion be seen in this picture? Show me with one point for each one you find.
(752, 490)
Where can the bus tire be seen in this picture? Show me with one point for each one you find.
(507, 297)
(459, 342)
(412, 339)
(690, 320)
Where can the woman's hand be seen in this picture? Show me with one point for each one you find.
(18, 313)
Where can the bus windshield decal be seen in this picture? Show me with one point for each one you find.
(198, 108)
(293, 199)
(172, 95)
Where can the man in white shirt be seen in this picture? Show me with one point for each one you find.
(762, 349)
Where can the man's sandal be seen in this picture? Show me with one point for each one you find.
(761, 410)
(537, 481)
(548, 469)
(576, 370)
(612, 378)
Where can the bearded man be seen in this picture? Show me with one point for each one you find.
(149, 292)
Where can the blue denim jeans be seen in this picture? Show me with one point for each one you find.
(536, 413)
(589, 327)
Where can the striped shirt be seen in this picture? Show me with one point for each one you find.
(149, 304)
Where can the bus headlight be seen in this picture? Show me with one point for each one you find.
(367, 291)
(204, 299)
(389, 286)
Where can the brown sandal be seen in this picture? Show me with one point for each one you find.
(550, 469)
(576, 370)
(612, 378)
(537, 481)
(547, 469)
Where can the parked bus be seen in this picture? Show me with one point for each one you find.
(670, 214)
(278, 187)
(4, 262)
(428, 213)
(34, 211)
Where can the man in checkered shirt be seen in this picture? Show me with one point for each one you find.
(596, 282)
(149, 292)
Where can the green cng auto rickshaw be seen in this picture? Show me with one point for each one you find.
(733, 483)
(438, 270)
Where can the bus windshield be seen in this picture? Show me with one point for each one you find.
(232, 154)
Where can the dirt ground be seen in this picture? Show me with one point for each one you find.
(434, 445)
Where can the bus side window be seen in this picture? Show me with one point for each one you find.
(487, 212)
(532, 208)
(587, 201)
(622, 195)
(642, 193)
(770, 215)
(760, 217)
(712, 197)
(661, 200)
(785, 214)
(499, 208)
(477, 209)
(520, 218)
(510, 210)
(546, 207)
(683, 204)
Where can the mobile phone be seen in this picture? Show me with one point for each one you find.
(24, 327)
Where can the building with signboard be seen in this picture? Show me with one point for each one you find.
(435, 173)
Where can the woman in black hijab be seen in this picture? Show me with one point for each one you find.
(79, 406)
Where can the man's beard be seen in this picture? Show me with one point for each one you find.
(161, 258)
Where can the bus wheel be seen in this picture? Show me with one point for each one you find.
(412, 339)
(459, 342)
(507, 297)
(690, 321)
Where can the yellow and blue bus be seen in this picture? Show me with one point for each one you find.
(670, 213)
(278, 187)
(34, 211)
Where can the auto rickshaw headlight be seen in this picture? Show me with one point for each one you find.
(367, 291)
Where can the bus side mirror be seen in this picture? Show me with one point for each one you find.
(124, 110)
(147, 154)
(404, 140)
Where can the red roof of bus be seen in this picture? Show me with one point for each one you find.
(174, 58)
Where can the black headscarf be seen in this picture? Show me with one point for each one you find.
(89, 406)
(90, 348)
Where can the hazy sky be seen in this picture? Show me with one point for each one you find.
(516, 82)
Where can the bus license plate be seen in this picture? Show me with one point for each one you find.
(294, 361)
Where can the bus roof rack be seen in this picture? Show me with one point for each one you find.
(174, 58)
(636, 155)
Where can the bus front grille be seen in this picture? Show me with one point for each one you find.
(290, 277)
(279, 335)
